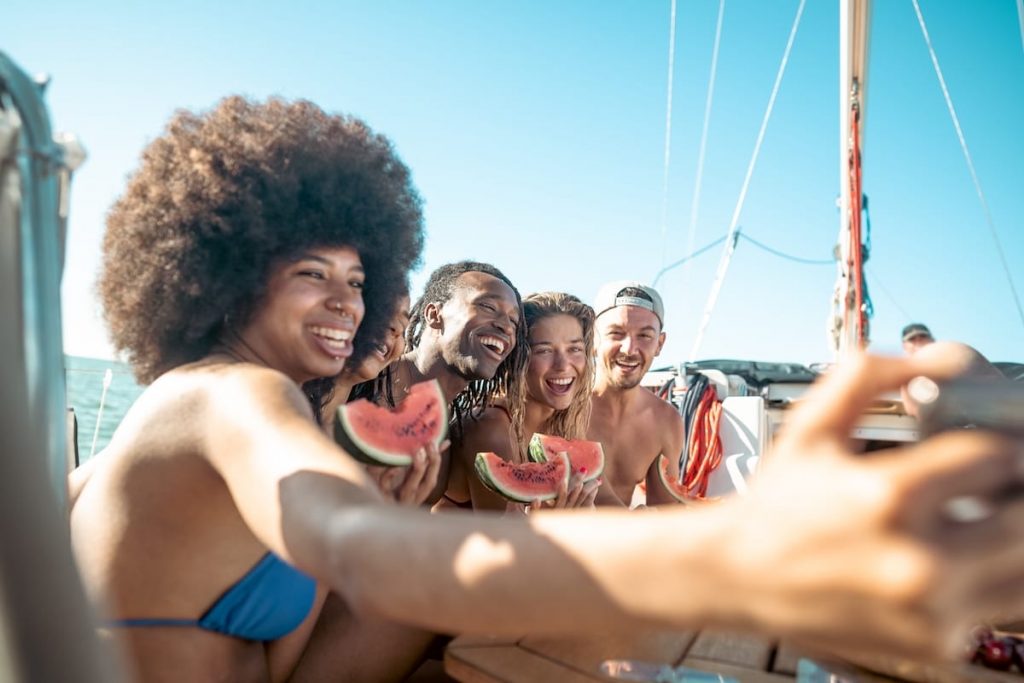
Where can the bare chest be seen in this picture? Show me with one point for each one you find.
(630, 446)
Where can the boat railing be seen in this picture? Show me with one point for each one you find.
(47, 630)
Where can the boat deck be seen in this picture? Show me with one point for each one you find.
(743, 658)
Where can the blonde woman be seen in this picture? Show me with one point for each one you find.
(551, 396)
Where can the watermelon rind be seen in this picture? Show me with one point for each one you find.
(489, 467)
(673, 487)
(353, 420)
(580, 452)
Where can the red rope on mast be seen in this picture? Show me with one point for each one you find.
(856, 262)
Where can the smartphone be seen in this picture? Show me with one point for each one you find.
(992, 404)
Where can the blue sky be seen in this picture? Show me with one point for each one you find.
(536, 132)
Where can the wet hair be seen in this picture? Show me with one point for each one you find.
(472, 400)
(379, 390)
(572, 422)
(225, 196)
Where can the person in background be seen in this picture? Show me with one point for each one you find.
(551, 396)
(466, 332)
(372, 380)
(260, 246)
(633, 425)
(915, 336)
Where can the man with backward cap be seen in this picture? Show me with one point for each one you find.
(633, 425)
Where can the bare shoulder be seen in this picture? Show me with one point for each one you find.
(242, 389)
(181, 409)
(490, 432)
(662, 409)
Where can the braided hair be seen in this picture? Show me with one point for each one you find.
(472, 400)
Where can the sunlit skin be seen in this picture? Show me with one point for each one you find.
(408, 485)
(389, 350)
(313, 307)
(479, 325)
(466, 338)
(557, 360)
(632, 424)
(628, 340)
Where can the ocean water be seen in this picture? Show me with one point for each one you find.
(98, 411)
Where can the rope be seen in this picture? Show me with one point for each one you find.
(857, 255)
(790, 257)
(967, 156)
(686, 258)
(704, 447)
(692, 233)
(668, 132)
(691, 399)
(108, 377)
(734, 223)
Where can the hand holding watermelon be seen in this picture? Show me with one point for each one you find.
(553, 483)
(377, 435)
(412, 484)
(578, 493)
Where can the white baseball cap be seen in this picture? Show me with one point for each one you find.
(613, 294)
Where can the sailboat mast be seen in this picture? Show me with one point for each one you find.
(850, 321)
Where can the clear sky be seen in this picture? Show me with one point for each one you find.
(536, 134)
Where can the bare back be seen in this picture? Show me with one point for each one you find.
(157, 532)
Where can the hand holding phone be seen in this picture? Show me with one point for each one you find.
(969, 403)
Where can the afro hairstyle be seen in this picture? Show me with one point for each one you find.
(223, 197)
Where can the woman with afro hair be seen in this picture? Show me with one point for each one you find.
(250, 247)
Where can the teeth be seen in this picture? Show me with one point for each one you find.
(561, 381)
(332, 334)
(498, 345)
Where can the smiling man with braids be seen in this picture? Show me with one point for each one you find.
(466, 332)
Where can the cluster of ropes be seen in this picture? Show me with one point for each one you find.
(702, 452)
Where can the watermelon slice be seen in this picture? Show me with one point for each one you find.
(670, 483)
(525, 482)
(584, 456)
(378, 436)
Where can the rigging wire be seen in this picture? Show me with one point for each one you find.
(694, 208)
(686, 258)
(668, 131)
(970, 162)
(1020, 18)
(740, 235)
(790, 257)
(733, 224)
(888, 294)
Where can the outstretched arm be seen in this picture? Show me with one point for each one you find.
(828, 547)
